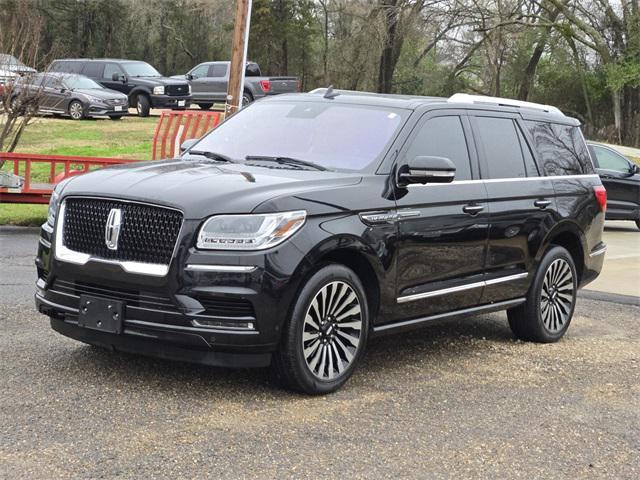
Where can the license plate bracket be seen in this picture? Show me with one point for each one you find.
(101, 314)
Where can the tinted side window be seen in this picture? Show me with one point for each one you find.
(52, 82)
(501, 145)
(529, 161)
(560, 148)
(252, 70)
(93, 69)
(443, 137)
(218, 70)
(110, 69)
(66, 67)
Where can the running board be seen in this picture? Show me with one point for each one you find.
(418, 322)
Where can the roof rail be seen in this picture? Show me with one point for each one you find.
(508, 102)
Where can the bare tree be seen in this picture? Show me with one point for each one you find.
(20, 31)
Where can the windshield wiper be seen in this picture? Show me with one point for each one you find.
(218, 157)
(286, 161)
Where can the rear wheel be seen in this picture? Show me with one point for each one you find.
(247, 98)
(76, 110)
(143, 105)
(547, 312)
(326, 335)
(205, 106)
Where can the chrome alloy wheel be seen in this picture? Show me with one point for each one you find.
(332, 330)
(76, 110)
(557, 296)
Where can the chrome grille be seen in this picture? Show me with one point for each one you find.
(148, 233)
(177, 89)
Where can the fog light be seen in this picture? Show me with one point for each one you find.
(227, 325)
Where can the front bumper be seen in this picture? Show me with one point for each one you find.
(169, 316)
(170, 101)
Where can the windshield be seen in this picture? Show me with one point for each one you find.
(140, 69)
(77, 81)
(332, 135)
(11, 61)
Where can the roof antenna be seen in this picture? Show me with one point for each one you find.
(330, 93)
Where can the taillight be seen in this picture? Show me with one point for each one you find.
(265, 85)
(601, 196)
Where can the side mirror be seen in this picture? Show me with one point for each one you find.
(426, 169)
(115, 77)
(187, 144)
(188, 76)
(634, 169)
(63, 90)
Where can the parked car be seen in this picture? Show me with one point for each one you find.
(621, 177)
(210, 81)
(12, 64)
(68, 94)
(6, 76)
(306, 223)
(145, 87)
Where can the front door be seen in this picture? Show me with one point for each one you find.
(107, 81)
(200, 82)
(443, 228)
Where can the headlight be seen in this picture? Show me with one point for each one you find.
(158, 90)
(249, 232)
(54, 203)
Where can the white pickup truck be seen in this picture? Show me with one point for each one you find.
(209, 82)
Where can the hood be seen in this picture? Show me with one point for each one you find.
(156, 81)
(102, 93)
(203, 188)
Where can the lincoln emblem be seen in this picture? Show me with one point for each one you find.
(112, 230)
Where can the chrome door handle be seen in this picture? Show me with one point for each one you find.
(542, 203)
(472, 209)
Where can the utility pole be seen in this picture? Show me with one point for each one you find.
(238, 55)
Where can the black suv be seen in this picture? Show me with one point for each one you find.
(340, 216)
(143, 84)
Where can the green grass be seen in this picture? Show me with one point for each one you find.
(130, 137)
(23, 215)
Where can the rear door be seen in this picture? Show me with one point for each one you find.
(443, 228)
(218, 81)
(623, 188)
(521, 203)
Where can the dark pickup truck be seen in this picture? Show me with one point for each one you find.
(209, 82)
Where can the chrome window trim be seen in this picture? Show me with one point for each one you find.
(220, 268)
(460, 288)
(65, 254)
(599, 251)
(502, 180)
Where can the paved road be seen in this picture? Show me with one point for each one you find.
(621, 272)
(455, 400)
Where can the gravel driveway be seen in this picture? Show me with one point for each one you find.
(455, 400)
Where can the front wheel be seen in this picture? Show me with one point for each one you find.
(547, 312)
(76, 110)
(326, 334)
(143, 106)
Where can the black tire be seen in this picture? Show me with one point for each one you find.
(247, 98)
(326, 359)
(77, 110)
(116, 117)
(551, 300)
(143, 105)
(205, 106)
